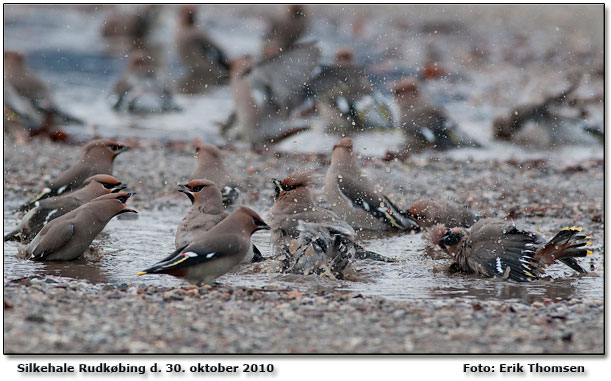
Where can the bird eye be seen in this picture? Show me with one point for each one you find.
(450, 239)
(114, 147)
(109, 186)
(198, 188)
(196, 149)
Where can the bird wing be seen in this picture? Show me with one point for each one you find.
(377, 205)
(282, 77)
(208, 49)
(322, 218)
(195, 253)
(512, 248)
(333, 81)
(58, 235)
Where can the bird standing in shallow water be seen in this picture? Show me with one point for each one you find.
(54, 207)
(97, 157)
(67, 237)
(214, 252)
(355, 199)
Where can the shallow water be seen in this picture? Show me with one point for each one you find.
(127, 246)
(64, 46)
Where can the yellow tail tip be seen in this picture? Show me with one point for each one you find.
(574, 228)
(588, 253)
(141, 273)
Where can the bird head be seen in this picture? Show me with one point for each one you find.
(250, 220)
(452, 239)
(188, 14)
(107, 183)
(406, 87)
(201, 189)
(102, 149)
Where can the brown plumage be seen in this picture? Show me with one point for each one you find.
(425, 124)
(214, 252)
(206, 211)
(543, 113)
(134, 27)
(337, 89)
(140, 89)
(32, 89)
(210, 166)
(265, 93)
(496, 247)
(294, 207)
(67, 237)
(97, 157)
(284, 30)
(51, 208)
(206, 63)
(427, 212)
(355, 199)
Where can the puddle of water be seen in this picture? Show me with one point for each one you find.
(47, 37)
(130, 245)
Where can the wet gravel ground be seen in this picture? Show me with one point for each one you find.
(47, 314)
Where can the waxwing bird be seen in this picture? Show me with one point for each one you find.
(214, 252)
(96, 158)
(210, 166)
(206, 63)
(496, 247)
(355, 199)
(547, 122)
(33, 89)
(140, 90)
(345, 97)
(54, 207)
(424, 124)
(207, 210)
(294, 204)
(427, 212)
(134, 26)
(265, 94)
(19, 111)
(284, 30)
(67, 237)
(311, 235)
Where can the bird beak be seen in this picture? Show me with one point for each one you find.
(262, 226)
(118, 188)
(121, 149)
(184, 188)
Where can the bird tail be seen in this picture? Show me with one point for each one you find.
(167, 265)
(362, 253)
(32, 203)
(454, 137)
(15, 235)
(398, 218)
(567, 245)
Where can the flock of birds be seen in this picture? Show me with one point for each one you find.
(273, 94)
(61, 222)
(215, 235)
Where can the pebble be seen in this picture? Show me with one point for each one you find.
(106, 320)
